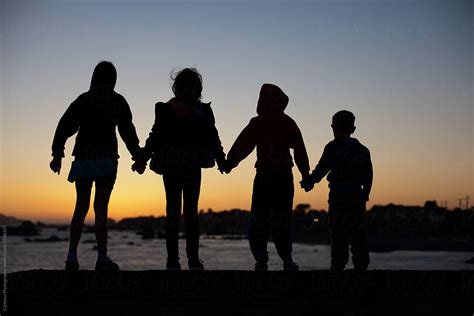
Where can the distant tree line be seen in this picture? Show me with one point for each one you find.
(389, 226)
(388, 222)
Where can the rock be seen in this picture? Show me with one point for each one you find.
(9, 220)
(26, 228)
(470, 260)
(148, 233)
(320, 292)
(52, 238)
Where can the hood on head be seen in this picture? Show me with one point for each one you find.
(272, 100)
(104, 75)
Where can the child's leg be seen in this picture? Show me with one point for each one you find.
(338, 210)
(191, 190)
(103, 189)
(282, 205)
(359, 247)
(359, 250)
(259, 228)
(173, 188)
(83, 196)
(339, 249)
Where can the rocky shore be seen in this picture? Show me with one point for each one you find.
(321, 292)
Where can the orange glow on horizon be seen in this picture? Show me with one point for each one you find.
(52, 199)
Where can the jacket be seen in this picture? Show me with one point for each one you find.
(94, 116)
(273, 133)
(183, 134)
(347, 164)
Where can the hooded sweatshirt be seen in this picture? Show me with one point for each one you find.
(348, 166)
(273, 133)
(94, 116)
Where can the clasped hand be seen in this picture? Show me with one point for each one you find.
(139, 166)
(307, 183)
(223, 166)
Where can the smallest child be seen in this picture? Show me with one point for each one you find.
(348, 167)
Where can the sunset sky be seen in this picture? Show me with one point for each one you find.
(405, 68)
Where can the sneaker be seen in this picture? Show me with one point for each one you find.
(196, 264)
(106, 265)
(173, 265)
(71, 265)
(290, 266)
(261, 266)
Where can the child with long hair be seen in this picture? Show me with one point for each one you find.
(94, 116)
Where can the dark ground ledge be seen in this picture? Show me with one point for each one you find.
(321, 292)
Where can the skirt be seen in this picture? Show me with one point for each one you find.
(93, 169)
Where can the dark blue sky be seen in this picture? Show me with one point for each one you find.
(405, 68)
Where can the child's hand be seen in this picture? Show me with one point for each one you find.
(55, 165)
(228, 169)
(223, 166)
(139, 166)
(307, 187)
(307, 184)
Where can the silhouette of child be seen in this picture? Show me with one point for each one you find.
(273, 133)
(183, 140)
(350, 180)
(94, 115)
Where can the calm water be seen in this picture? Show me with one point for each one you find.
(131, 252)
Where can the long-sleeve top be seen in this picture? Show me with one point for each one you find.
(273, 133)
(94, 116)
(274, 137)
(349, 166)
(183, 134)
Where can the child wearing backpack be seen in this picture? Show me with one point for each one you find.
(183, 140)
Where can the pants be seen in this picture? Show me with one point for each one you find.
(272, 203)
(346, 223)
(182, 182)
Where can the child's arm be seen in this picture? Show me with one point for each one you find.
(68, 125)
(322, 168)
(368, 177)
(127, 131)
(243, 145)
(216, 145)
(152, 140)
(299, 150)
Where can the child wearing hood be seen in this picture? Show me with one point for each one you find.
(273, 133)
(94, 116)
(348, 167)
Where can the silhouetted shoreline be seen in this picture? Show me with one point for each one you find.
(390, 227)
(374, 292)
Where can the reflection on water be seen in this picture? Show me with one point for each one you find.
(131, 252)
